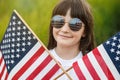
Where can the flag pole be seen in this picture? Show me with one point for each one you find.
(43, 45)
(63, 73)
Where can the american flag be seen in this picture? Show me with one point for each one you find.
(22, 55)
(102, 63)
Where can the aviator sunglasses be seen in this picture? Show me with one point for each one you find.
(58, 21)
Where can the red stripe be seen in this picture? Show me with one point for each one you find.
(90, 68)
(78, 71)
(103, 64)
(51, 72)
(1, 60)
(29, 63)
(40, 68)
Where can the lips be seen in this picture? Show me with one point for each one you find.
(64, 36)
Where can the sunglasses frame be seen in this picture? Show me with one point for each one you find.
(75, 24)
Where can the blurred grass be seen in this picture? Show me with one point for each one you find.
(37, 15)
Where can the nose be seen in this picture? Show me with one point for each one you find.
(65, 27)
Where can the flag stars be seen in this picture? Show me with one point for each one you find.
(17, 55)
(117, 58)
(118, 46)
(13, 34)
(18, 39)
(18, 44)
(14, 23)
(108, 42)
(112, 50)
(23, 44)
(19, 22)
(14, 18)
(29, 43)
(118, 52)
(24, 33)
(23, 38)
(113, 44)
(18, 33)
(18, 50)
(23, 49)
(13, 28)
(19, 28)
(24, 27)
(114, 38)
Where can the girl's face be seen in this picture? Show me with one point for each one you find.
(66, 37)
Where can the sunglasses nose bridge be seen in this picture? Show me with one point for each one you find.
(65, 27)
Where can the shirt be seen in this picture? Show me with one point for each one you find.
(65, 64)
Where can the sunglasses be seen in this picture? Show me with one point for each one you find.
(58, 21)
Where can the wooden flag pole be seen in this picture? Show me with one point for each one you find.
(43, 45)
(63, 73)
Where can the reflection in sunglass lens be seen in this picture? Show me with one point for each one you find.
(75, 24)
(57, 21)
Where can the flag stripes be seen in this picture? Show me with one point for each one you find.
(90, 68)
(78, 71)
(3, 69)
(103, 64)
(97, 65)
(108, 62)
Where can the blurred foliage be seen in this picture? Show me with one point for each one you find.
(37, 15)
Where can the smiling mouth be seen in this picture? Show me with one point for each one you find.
(63, 36)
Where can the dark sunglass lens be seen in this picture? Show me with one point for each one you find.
(75, 24)
(57, 21)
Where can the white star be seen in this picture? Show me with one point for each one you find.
(13, 40)
(24, 27)
(19, 22)
(119, 40)
(23, 38)
(14, 17)
(23, 44)
(18, 44)
(118, 52)
(12, 56)
(24, 33)
(12, 61)
(116, 58)
(114, 38)
(118, 46)
(29, 32)
(13, 28)
(23, 49)
(29, 43)
(18, 39)
(18, 50)
(113, 44)
(29, 38)
(19, 28)
(14, 23)
(12, 50)
(17, 55)
(13, 34)
(108, 42)
(13, 45)
(18, 33)
(112, 50)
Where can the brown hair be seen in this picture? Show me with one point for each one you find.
(81, 10)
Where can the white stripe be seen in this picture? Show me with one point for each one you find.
(73, 74)
(96, 66)
(34, 66)
(109, 63)
(45, 70)
(24, 60)
(84, 70)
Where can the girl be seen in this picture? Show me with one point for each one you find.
(71, 32)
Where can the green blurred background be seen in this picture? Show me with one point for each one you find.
(37, 15)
